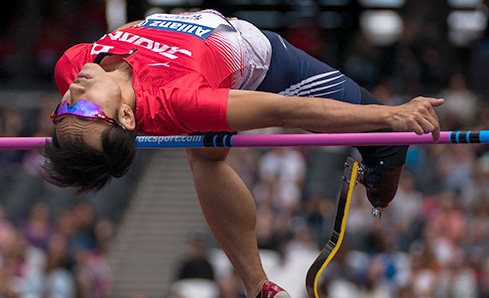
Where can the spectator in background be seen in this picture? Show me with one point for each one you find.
(7, 229)
(362, 64)
(47, 103)
(65, 225)
(460, 103)
(37, 229)
(84, 223)
(433, 49)
(405, 212)
(283, 171)
(60, 282)
(301, 244)
(375, 286)
(483, 283)
(307, 37)
(457, 279)
(22, 270)
(104, 232)
(196, 264)
(448, 221)
(385, 92)
(320, 213)
(424, 268)
(455, 165)
(92, 274)
(11, 126)
(476, 197)
(265, 229)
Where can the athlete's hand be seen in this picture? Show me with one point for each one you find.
(418, 116)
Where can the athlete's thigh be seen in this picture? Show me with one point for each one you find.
(293, 72)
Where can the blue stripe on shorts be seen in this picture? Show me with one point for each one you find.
(292, 72)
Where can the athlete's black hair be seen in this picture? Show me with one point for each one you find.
(76, 163)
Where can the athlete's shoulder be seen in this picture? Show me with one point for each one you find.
(77, 52)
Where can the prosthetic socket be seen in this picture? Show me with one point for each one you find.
(381, 184)
(379, 172)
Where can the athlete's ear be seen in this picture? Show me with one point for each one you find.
(126, 117)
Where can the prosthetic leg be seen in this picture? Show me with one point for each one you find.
(328, 252)
(381, 185)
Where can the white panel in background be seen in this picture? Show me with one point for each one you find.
(381, 27)
(467, 20)
(465, 26)
(115, 13)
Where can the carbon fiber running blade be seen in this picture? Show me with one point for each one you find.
(327, 253)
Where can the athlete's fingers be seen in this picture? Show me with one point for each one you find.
(435, 102)
(430, 121)
(431, 127)
(436, 127)
(435, 132)
(432, 118)
(426, 125)
(433, 114)
(416, 127)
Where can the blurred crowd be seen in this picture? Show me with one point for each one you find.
(432, 241)
(34, 34)
(42, 257)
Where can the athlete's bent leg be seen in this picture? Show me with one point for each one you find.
(293, 72)
(230, 211)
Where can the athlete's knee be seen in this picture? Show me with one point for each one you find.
(206, 155)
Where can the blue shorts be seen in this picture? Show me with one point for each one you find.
(292, 72)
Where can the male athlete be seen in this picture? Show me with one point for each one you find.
(199, 72)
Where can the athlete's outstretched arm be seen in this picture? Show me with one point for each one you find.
(253, 109)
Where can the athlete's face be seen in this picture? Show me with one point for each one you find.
(93, 84)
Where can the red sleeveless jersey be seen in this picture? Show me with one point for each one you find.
(183, 67)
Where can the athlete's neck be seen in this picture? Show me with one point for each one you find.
(121, 71)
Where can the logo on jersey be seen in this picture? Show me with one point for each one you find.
(198, 24)
(170, 52)
(176, 26)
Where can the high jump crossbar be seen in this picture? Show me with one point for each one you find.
(279, 140)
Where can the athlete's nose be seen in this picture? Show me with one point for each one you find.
(73, 95)
(76, 93)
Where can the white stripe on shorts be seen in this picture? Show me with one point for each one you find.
(312, 92)
(307, 82)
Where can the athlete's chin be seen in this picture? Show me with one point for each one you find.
(91, 69)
